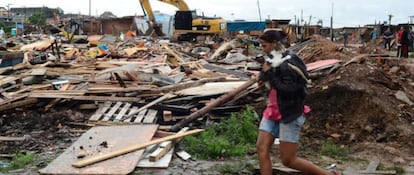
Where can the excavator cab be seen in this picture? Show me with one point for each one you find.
(189, 25)
(183, 19)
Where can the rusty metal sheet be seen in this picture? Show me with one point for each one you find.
(92, 143)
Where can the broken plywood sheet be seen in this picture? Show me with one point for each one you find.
(212, 88)
(103, 140)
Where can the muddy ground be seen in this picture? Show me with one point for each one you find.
(354, 106)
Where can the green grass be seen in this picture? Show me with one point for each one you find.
(20, 160)
(232, 137)
(334, 151)
(398, 169)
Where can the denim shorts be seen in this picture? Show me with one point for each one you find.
(286, 132)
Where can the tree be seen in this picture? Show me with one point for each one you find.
(37, 19)
(6, 27)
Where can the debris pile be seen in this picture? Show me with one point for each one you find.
(368, 99)
(59, 90)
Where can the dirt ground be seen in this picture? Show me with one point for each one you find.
(354, 106)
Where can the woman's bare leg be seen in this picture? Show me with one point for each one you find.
(288, 155)
(264, 144)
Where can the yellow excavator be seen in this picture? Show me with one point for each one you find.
(187, 24)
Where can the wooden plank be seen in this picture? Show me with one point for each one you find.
(10, 87)
(13, 99)
(10, 139)
(165, 147)
(18, 104)
(111, 112)
(163, 162)
(151, 116)
(122, 112)
(97, 115)
(87, 98)
(116, 137)
(64, 91)
(7, 79)
(131, 148)
(140, 116)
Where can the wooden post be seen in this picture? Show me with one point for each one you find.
(129, 149)
(222, 99)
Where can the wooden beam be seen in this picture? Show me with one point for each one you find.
(10, 139)
(22, 103)
(13, 99)
(60, 92)
(222, 99)
(131, 148)
(87, 98)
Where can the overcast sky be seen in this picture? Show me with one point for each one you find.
(345, 12)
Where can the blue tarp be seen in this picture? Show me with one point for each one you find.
(245, 26)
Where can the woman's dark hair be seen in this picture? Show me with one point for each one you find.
(272, 36)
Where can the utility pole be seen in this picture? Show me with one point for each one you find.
(411, 19)
(8, 12)
(90, 8)
(332, 23)
(25, 16)
(389, 19)
(260, 14)
(332, 37)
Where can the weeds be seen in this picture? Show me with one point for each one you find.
(398, 169)
(20, 160)
(231, 137)
(330, 149)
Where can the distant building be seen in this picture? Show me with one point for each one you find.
(26, 12)
(4, 14)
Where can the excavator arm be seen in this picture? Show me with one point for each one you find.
(146, 7)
